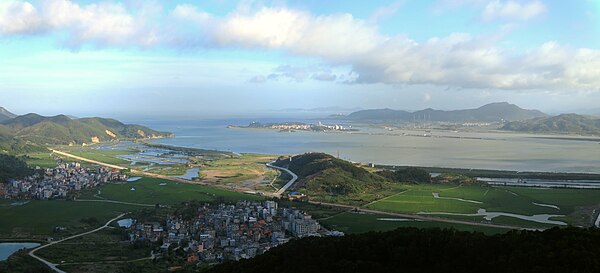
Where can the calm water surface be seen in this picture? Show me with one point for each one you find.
(480, 150)
(7, 249)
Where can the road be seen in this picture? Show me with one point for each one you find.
(137, 172)
(54, 266)
(116, 202)
(419, 217)
(142, 173)
(288, 184)
(395, 214)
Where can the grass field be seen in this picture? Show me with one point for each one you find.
(109, 244)
(467, 199)
(38, 218)
(350, 222)
(153, 191)
(246, 170)
(171, 170)
(105, 156)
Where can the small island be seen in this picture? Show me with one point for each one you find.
(297, 126)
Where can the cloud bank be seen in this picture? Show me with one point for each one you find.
(337, 40)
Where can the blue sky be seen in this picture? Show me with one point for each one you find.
(134, 58)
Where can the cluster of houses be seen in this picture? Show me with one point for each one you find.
(309, 127)
(58, 182)
(228, 232)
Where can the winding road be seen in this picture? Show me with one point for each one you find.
(54, 266)
(288, 184)
(280, 192)
(403, 215)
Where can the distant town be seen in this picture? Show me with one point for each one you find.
(58, 182)
(297, 126)
(217, 233)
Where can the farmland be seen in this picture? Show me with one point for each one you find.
(157, 191)
(462, 202)
(351, 223)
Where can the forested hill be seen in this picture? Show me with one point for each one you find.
(432, 250)
(62, 129)
(500, 111)
(323, 173)
(566, 123)
(12, 167)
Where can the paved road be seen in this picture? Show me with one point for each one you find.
(159, 176)
(403, 215)
(116, 202)
(137, 172)
(288, 184)
(420, 217)
(54, 266)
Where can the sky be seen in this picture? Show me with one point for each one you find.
(210, 58)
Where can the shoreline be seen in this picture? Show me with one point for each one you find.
(491, 173)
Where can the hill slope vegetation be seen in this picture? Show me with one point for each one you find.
(12, 167)
(433, 250)
(321, 173)
(62, 129)
(565, 123)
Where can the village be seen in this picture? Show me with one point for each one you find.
(58, 182)
(229, 231)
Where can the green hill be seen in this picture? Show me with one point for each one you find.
(63, 130)
(12, 167)
(565, 123)
(9, 143)
(432, 250)
(323, 174)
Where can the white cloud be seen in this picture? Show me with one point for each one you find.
(302, 73)
(330, 36)
(385, 11)
(336, 40)
(103, 24)
(512, 10)
(258, 79)
(190, 12)
(19, 17)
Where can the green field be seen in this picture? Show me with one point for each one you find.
(109, 244)
(171, 170)
(157, 191)
(38, 218)
(350, 222)
(105, 156)
(574, 204)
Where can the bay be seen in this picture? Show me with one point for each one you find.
(478, 150)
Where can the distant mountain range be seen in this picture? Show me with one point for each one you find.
(38, 130)
(565, 123)
(335, 109)
(5, 114)
(500, 111)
